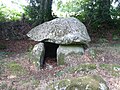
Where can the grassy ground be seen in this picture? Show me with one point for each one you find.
(18, 73)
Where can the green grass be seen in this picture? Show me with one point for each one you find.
(15, 68)
(114, 70)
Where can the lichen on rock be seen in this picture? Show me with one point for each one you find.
(64, 51)
(81, 83)
(61, 31)
(37, 55)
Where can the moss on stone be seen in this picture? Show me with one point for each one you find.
(60, 59)
(86, 82)
(74, 87)
(34, 60)
(65, 51)
(36, 56)
(80, 83)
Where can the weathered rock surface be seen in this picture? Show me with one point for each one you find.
(64, 51)
(80, 83)
(61, 31)
(69, 33)
(37, 54)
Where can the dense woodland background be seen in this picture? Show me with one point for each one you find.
(101, 17)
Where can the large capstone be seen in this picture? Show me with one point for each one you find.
(80, 83)
(61, 31)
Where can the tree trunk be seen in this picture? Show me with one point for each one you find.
(48, 10)
(44, 11)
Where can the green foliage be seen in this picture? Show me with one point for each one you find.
(71, 7)
(31, 13)
(2, 14)
(95, 13)
(8, 14)
(38, 11)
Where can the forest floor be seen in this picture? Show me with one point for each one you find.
(18, 73)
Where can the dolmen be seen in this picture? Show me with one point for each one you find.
(59, 38)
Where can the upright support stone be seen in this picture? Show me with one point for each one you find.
(64, 51)
(37, 55)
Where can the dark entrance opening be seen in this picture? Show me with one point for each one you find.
(50, 52)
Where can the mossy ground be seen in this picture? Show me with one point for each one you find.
(112, 69)
(15, 68)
